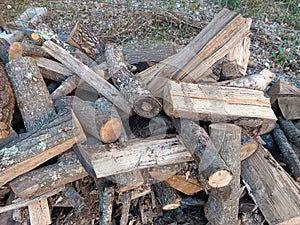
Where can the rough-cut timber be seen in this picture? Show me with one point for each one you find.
(32, 149)
(45, 179)
(288, 152)
(248, 108)
(134, 91)
(210, 164)
(291, 131)
(39, 213)
(101, 126)
(4, 46)
(271, 188)
(193, 62)
(84, 39)
(222, 206)
(92, 78)
(31, 92)
(19, 49)
(248, 146)
(167, 196)
(105, 160)
(7, 103)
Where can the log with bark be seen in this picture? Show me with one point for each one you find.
(291, 131)
(229, 70)
(166, 196)
(19, 49)
(4, 46)
(144, 103)
(7, 103)
(34, 148)
(247, 108)
(31, 92)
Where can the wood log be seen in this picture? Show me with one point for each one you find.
(32, 149)
(96, 81)
(247, 108)
(167, 196)
(292, 133)
(31, 92)
(197, 141)
(128, 181)
(81, 37)
(248, 146)
(7, 103)
(106, 199)
(288, 152)
(20, 49)
(225, 200)
(125, 201)
(45, 179)
(144, 103)
(264, 179)
(4, 46)
(12, 36)
(103, 127)
(39, 213)
(229, 70)
(105, 160)
(66, 87)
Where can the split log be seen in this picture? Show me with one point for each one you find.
(45, 179)
(20, 49)
(225, 200)
(247, 108)
(292, 133)
(106, 199)
(105, 160)
(7, 104)
(103, 127)
(39, 213)
(4, 46)
(31, 92)
(66, 87)
(81, 37)
(288, 152)
(197, 141)
(264, 179)
(144, 103)
(96, 81)
(167, 196)
(32, 149)
(248, 146)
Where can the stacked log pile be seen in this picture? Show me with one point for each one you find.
(77, 111)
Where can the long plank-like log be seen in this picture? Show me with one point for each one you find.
(245, 107)
(31, 92)
(7, 103)
(19, 49)
(225, 200)
(45, 179)
(196, 140)
(92, 78)
(105, 160)
(32, 149)
(271, 188)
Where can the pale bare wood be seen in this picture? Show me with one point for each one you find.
(264, 179)
(19, 49)
(66, 87)
(106, 160)
(39, 213)
(248, 146)
(248, 108)
(96, 81)
(32, 149)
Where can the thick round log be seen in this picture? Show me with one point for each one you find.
(248, 146)
(292, 133)
(31, 92)
(225, 200)
(197, 141)
(167, 196)
(134, 91)
(18, 49)
(288, 152)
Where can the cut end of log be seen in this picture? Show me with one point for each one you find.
(111, 130)
(4, 130)
(35, 37)
(147, 107)
(248, 149)
(220, 178)
(15, 51)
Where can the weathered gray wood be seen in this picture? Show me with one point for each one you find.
(31, 92)
(225, 200)
(292, 133)
(166, 196)
(32, 149)
(66, 87)
(106, 199)
(271, 188)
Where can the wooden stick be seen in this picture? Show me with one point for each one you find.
(167, 196)
(31, 92)
(7, 103)
(96, 81)
(288, 152)
(225, 201)
(197, 141)
(292, 133)
(32, 149)
(19, 49)
(39, 212)
(144, 103)
(267, 182)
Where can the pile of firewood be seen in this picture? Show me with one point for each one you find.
(77, 108)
